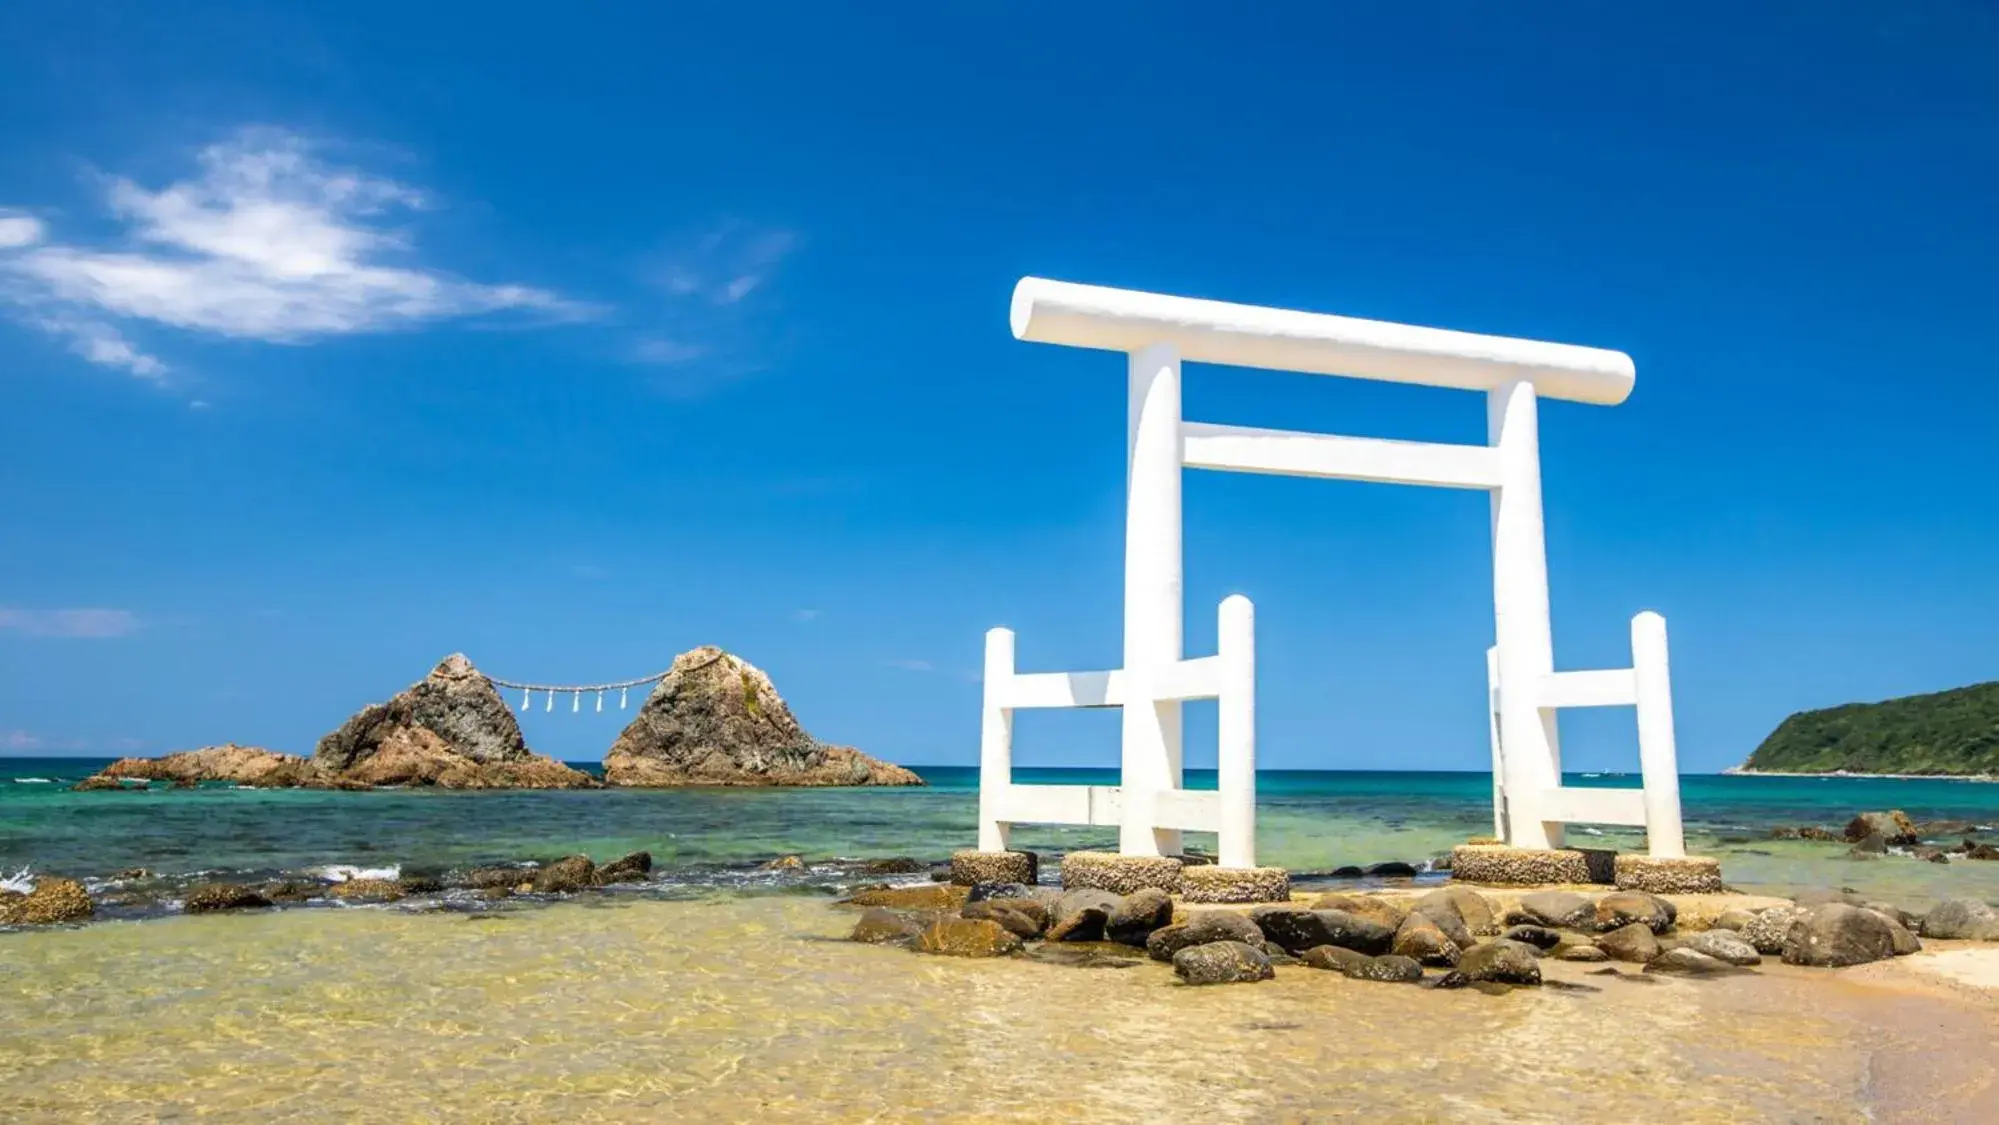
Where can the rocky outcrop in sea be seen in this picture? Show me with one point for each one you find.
(450, 729)
(716, 719)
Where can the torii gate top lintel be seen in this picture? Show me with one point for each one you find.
(1203, 331)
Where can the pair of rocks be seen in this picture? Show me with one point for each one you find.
(1093, 915)
(1388, 968)
(1614, 911)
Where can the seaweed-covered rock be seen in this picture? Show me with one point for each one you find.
(968, 937)
(922, 896)
(716, 719)
(1333, 957)
(366, 890)
(631, 868)
(1202, 927)
(1962, 918)
(1222, 962)
(1837, 935)
(50, 902)
(211, 897)
(566, 876)
(877, 926)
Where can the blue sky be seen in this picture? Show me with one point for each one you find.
(337, 340)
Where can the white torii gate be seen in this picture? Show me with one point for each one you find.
(1157, 332)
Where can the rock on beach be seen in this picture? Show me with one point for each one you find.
(1222, 962)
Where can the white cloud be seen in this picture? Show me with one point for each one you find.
(89, 623)
(707, 325)
(267, 241)
(19, 230)
(19, 740)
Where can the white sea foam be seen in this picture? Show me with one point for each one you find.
(34, 781)
(20, 882)
(343, 872)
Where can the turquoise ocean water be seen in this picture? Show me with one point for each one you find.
(1308, 821)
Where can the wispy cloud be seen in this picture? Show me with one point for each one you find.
(911, 665)
(69, 623)
(713, 286)
(268, 241)
(19, 741)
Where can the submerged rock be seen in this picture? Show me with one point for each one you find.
(717, 720)
(1026, 917)
(1687, 961)
(968, 937)
(885, 927)
(631, 868)
(1389, 968)
(366, 890)
(211, 897)
(1222, 962)
(50, 902)
(566, 875)
(922, 896)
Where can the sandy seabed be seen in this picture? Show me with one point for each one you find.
(752, 1008)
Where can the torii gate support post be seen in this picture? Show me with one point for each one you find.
(1522, 628)
(1150, 755)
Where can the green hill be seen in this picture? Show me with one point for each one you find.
(1948, 732)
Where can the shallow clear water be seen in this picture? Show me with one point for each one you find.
(1307, 821)
(747, 1007)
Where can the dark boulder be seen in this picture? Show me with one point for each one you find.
(1393, 869)
(1895, 828)
(1540, 937)
(1333, 957)
(1419, 939)
(982, 891)
(1365, 906)
(1202, 927)
(1500, 961)
(1688, 961)
(1634, 942)
(1295, 929)
(1080, 915)
(1025, 917)
(1554, 909)
(1142, 911)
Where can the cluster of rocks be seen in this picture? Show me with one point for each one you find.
(1458, 932)
(1872, 834)
(715, 719)
(52, 901)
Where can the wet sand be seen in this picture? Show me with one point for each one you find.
(751, 1007)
